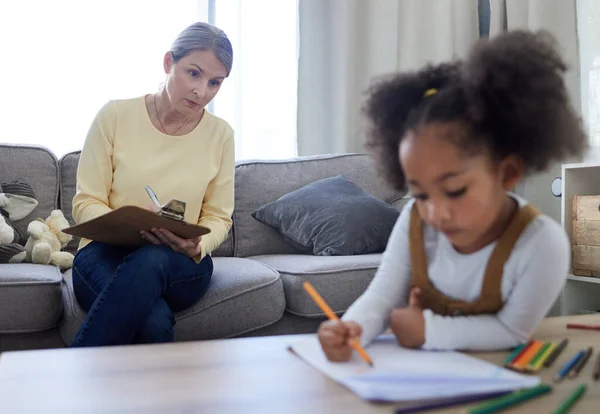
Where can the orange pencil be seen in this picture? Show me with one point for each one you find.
(327, 310)
(522, 362)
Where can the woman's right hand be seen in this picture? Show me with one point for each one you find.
(335, 338)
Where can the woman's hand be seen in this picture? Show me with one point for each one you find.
(188, 247)
(408, 324)
(335, 338)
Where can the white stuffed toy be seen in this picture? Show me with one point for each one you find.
(10, 252)
(57, 223)
(7, 233)
(46, 241)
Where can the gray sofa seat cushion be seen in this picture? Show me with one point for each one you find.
(243, 295)
(30, 297)
(339, 279)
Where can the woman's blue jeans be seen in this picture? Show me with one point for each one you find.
(130, 294)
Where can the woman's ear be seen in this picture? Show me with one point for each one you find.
(512, 170)
(167, 62)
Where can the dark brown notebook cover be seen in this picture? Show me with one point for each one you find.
(123, 226)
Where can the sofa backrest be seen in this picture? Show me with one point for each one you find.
(256, 183)
(39, 167)
(260, 182)
(68, 181)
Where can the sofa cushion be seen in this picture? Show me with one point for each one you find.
(331, 217)
(30, 297)
(68, 185)
(243, 295)
(39, 167)
(339, 279)
(260, 182)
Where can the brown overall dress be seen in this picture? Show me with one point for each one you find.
(490, 300)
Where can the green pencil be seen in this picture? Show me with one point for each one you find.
(514, 353)
(570, 400)
(538, 356)
(540, 362)
(511, 399)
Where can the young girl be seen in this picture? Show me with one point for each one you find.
(469, 265)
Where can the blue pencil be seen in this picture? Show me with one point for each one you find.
(564, 371)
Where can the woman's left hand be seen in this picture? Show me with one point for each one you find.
(188, 247)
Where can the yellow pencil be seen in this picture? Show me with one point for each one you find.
(532, 363)
(538, 364)
(327, 310)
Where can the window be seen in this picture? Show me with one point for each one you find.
(259, 99)
(63, 59)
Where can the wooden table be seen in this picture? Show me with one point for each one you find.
(249, 375)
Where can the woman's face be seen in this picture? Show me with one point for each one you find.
(193, 81)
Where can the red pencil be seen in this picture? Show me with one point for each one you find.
(583, 326)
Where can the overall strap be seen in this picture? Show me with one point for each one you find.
(492, 282)
(418, 256)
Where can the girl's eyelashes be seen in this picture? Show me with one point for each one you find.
(457, 193)
(450, 194)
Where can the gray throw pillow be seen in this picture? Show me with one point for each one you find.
(331, 217)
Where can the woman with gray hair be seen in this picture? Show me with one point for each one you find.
(169, 141)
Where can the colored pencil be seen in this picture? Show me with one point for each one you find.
(540, 362)
(596, 374)
(583, 326)
(523, 351)
(514, 354)
(327, 310)
(514, 398)
(522, 362)
(538, 356)
(581, 362)
(566, 405)
(557, 351)
(448, 402)
(564, 371)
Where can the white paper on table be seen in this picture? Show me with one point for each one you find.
(401, 374)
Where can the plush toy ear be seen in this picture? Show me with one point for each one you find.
(18, 199)
(19, 187)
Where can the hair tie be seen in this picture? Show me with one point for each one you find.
(430, 92)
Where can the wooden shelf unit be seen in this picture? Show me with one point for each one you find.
(582, 293)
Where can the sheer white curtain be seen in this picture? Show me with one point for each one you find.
(344, 44)
(588, 25)
(259, 99)
(558, 17)
(63, 59)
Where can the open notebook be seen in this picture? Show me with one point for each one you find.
(401, 374)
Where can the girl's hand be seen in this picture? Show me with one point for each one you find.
(188, 247)
(408, 324)
(335, 338)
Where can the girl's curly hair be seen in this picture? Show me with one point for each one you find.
(509, 92)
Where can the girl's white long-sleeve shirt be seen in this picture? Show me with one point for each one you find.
(534, 275)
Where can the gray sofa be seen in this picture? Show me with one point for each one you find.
(256, 286)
